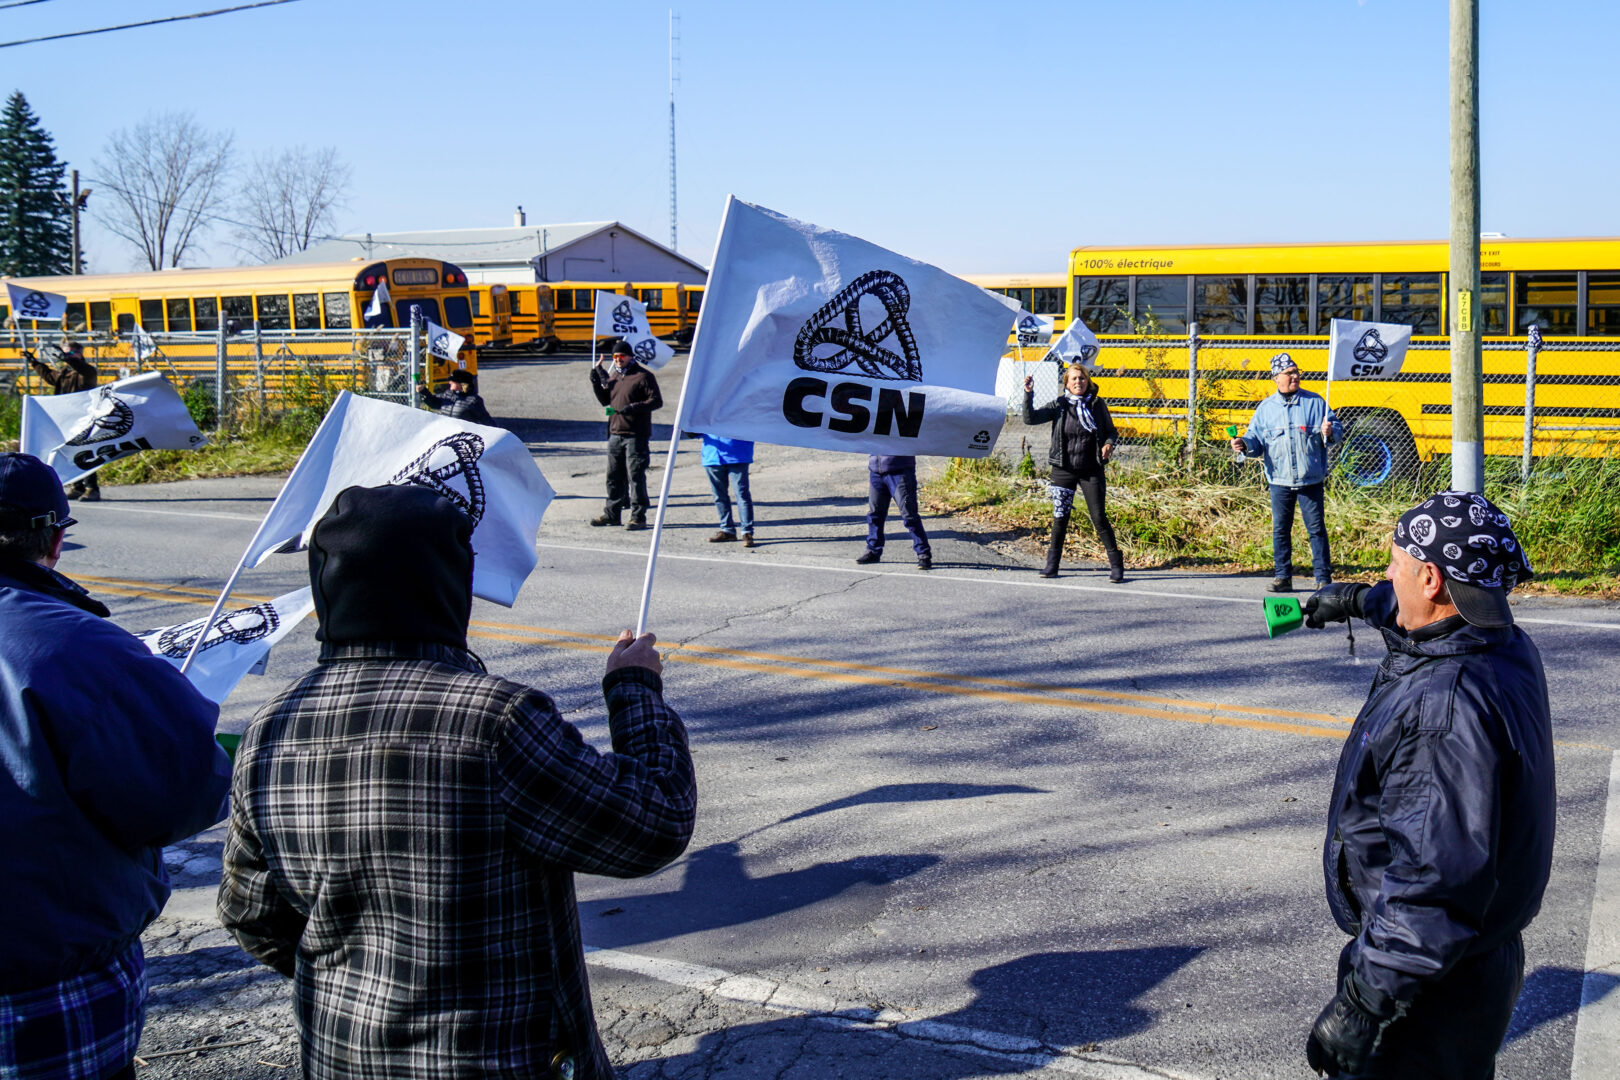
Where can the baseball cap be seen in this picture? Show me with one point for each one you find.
(1472, 542)
(32, 494)
(622, 348)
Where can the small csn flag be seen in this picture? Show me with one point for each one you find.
(1032, 329)
(238, 643)
(444, 344)
(486, 472)
(1366, 350)
(377, 310)
(29, 303)
(1076, 345)
(815, 338)
(620, 316)
(76, 434)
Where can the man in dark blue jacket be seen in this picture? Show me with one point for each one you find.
(1440, 832)
(893, 477)
(107, 754)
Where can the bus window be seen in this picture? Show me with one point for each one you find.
(1165, 296)
(477, 304)
(207, 312)
(1492, 306)
(456, 311)
(515, 299)
(179, 313)
(562, 299)
(430, 310)
(1282, 304)
(1603, 304)
(274, 313)
(1100, 303)
(1048, 301)
(1545, 300)
(126, 323)
(653, 298)
(152, 315)
(1412, 300)
(306, 311)
(337, 310)
(237, 310)
(74, 318)
(1343, 296)
(694, 301)
(100, 315)
(1220, 304)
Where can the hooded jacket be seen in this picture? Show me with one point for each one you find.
(1440, 833)
(107, 754)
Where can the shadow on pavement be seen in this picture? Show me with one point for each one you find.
(1551, 993)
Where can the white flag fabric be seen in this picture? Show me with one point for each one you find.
(29, 303)
(620, 316)
(487, 472)
(811, 337)
(76, 434)
(1366, 350)
(1032, 329)
(650, 352)
(144, 345)
(1076, 345)
(379, 301)
(238, 642)
(444, 344)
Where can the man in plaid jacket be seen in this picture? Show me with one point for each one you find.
(405, 827)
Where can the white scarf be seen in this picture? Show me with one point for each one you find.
(1082, 409)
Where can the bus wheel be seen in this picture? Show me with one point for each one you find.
(546, 346)
(1377, 448)
(684, 337)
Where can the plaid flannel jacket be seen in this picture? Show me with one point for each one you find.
(404, 832)
(83, 1028)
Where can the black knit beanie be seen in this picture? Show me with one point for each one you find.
(392, 563)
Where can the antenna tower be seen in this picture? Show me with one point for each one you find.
(674, 77)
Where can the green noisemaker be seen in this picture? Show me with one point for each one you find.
(1283, 614)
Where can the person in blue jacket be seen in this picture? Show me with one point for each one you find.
(893, 478)
(1292, 430)
(726, 461)
(107, 754)
(1440, 829)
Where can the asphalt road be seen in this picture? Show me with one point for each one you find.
(952, 824)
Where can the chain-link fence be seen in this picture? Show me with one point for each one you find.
(1548, 405)
(237, 381)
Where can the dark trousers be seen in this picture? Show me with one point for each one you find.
(902, 489)
(627, 476)
(85, 484)
(1454, 1027)
(1094, 489)
(720, 477)
(1282, 530)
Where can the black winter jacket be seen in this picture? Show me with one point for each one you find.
(1073, 447)
(633, 396)
(1440, 833)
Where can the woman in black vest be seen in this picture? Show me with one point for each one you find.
(1083, 439)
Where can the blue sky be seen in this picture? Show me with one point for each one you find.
(981, 137)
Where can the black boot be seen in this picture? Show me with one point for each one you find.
(1054, 546)
(1116, 565)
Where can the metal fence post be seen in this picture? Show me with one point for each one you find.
(258, 367)
(416, 354)
(219, 378)
(1192, 392)
(1531, 348)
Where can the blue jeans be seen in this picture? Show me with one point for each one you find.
(902, 488)
(1282, 529)
(720, 477)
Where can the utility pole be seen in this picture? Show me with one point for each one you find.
(1467, 378)
(75, 204)
(674, 39)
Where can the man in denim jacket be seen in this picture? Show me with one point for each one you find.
(1292, 430)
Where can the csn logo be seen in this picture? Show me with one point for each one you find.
(848, 404)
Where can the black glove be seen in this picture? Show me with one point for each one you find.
(1346, 1033)
(1338, 602)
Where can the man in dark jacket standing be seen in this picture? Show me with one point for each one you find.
(405, 828)
(630, 393)
(75, 374)
(893, 478)
(1440, 832)
(107, 753)
(458, 401)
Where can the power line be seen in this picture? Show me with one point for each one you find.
(131, 26)
(20, 3)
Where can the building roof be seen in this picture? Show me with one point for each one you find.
(468, 248)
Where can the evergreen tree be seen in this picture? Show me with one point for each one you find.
(36, 236)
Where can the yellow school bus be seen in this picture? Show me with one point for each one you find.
(330, 297)
(544, 316)
(1250, 302)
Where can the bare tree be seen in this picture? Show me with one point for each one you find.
(288, 199)
(165, 178)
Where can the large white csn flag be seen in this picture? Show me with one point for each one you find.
(811, 337)
(29, 303)
(485, 471)
(1366, 350)
(76, 434)
(237, 643)
(1076, 345)
(444, 344)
